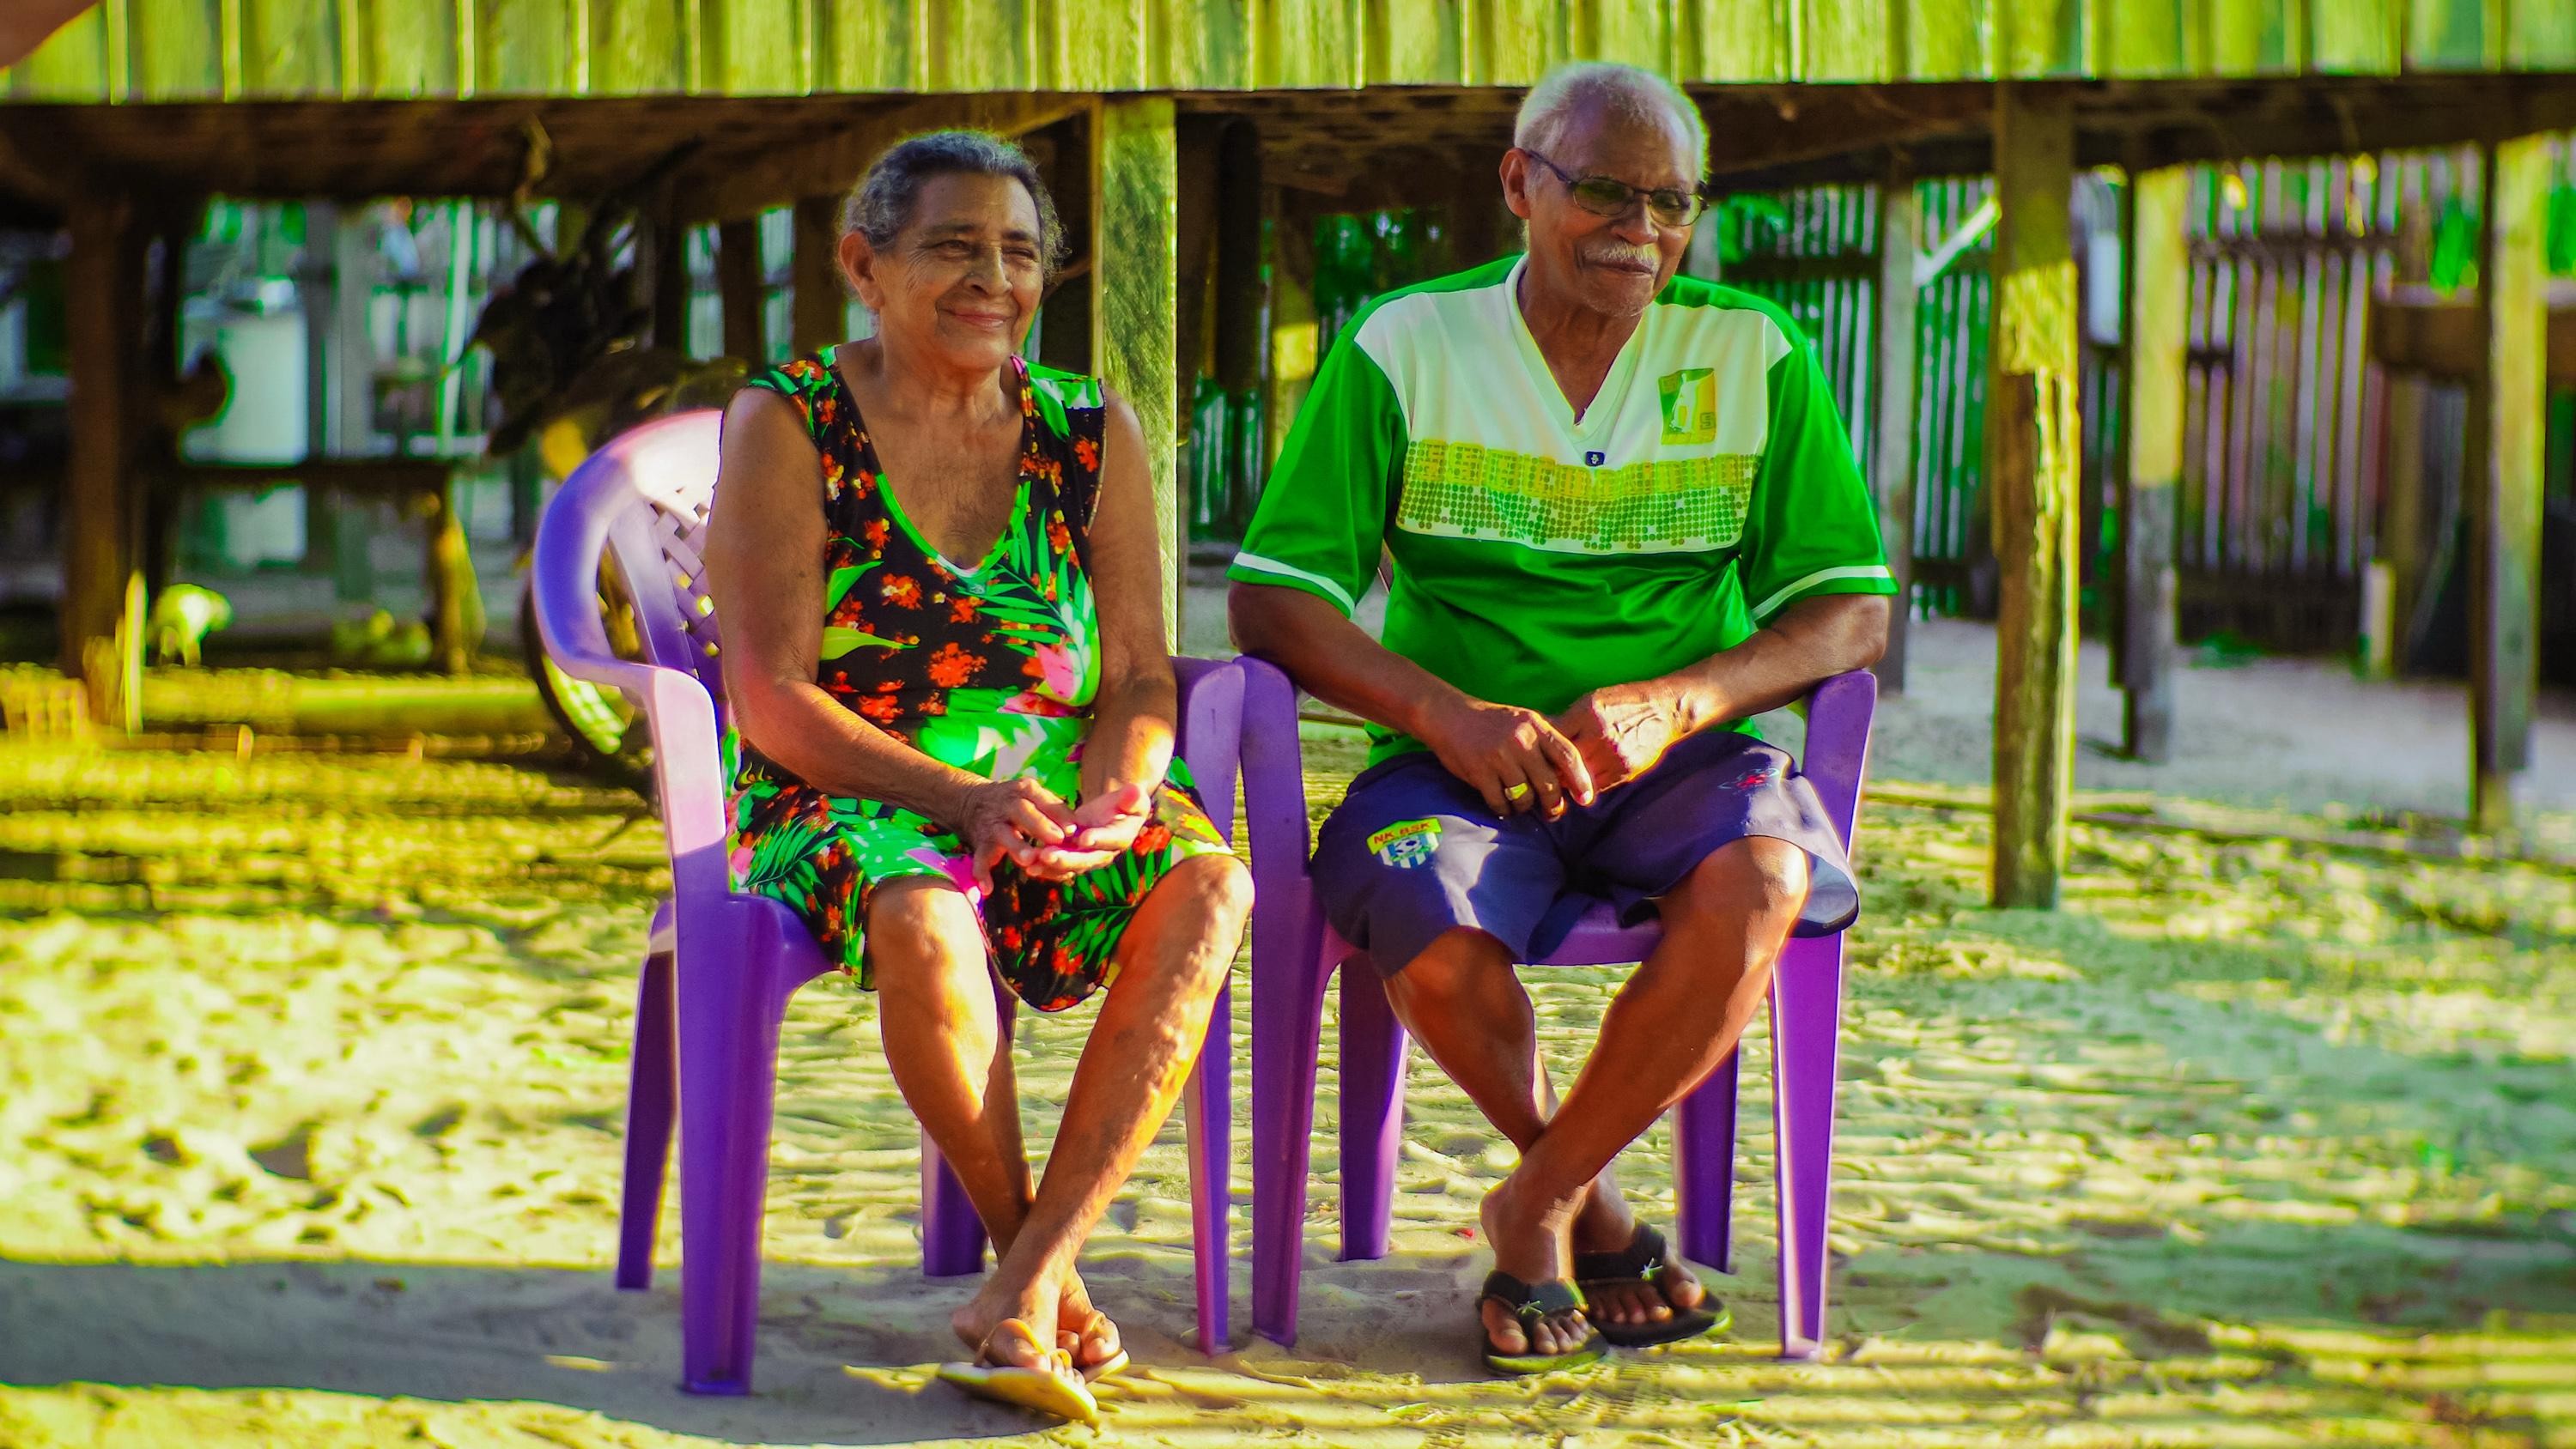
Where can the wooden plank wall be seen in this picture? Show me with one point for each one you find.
(135, 50)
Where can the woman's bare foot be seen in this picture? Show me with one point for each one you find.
(1607, 1225)
(1532, 1241)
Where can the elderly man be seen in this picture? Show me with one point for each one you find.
(1622, 518)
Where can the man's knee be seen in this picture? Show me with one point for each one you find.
(1456, 963)
(1754, 879)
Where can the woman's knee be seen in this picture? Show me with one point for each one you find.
(1210, 898)
(920, 927)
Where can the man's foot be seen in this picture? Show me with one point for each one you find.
(1531, 1243)
(1606, 1225)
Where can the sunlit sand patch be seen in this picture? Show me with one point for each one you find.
(311, 1085)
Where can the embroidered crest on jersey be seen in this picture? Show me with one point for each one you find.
(1690, 406)
(1406, 843)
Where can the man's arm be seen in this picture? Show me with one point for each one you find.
(1495, 748)
(1623, 729)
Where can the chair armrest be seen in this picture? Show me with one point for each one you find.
(1274, 770)
(1210, 737)
(1839, 715)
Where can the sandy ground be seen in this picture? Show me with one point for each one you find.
(311, 1082)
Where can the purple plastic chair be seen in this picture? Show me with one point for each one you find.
(721, 965)
(1294, 954)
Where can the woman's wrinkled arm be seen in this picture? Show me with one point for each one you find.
(1132, 718)
(764, 559)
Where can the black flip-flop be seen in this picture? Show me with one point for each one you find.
(1532, 1304)
(1644, 1259)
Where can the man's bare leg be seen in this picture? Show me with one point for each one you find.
(1139, 1056)
(1462, 998)
(1672, 1023)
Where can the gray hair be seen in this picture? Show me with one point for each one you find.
(1626, 91)
(881, 205)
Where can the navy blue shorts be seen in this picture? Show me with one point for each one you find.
(1412, 852)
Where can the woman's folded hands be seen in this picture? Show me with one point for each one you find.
(1031, 825)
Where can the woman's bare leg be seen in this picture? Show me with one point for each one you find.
(944, 1042)
(1172, 963)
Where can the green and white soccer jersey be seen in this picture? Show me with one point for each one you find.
(1537, 555)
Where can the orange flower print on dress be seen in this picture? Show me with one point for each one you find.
(952, 667)
(831, 476)
(901, 590)
(1059, 537)
(962, 610)
(1087, 451)
(874, 531)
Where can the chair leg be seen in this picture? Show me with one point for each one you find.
(728, 1033)
(650, 1102)
(1287, 1035)
(1704, 1168)
(952, 1234)
(1806, 1015)
(1373, 1044)
(1210, 1110)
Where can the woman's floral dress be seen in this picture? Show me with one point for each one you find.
(991, 669)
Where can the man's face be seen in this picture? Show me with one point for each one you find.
(1613, 265)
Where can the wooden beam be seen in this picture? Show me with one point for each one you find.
(2153, 302)
(103, 307)
(833, 159)
(739, 286)
(1900, 227)
(821, 315)
(1138, 261)
(2508, 403)
(2033, 458)
(2415, 329)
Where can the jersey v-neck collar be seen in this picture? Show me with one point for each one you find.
(1608, 401)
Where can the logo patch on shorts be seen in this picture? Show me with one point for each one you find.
(1406, 843)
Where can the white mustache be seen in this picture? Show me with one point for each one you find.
(1615, 256)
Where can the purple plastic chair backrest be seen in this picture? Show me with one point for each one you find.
(665, 471)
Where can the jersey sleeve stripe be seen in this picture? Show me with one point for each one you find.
(1314, 581)
(1771, 605)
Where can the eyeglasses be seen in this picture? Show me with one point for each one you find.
(1609, 196)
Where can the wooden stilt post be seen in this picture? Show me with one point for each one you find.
(1138, 251)
(667, 272)
(1900, 222)
(2032, 458)
(2503, 480)
(455, 608)
(2404, 521)
(2153, 301)
(822, 310)
(738, 283)
(1294, 341)
(101, 516)
(1241, 297)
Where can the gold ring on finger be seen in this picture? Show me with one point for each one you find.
(1520, 791)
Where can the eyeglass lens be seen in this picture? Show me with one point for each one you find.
(1608, 197)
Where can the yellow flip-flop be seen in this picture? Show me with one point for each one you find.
(1056, 1389)
(1027, 1388)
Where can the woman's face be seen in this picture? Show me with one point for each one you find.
(962, 280)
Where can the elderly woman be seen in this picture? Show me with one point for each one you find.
(937, 569)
